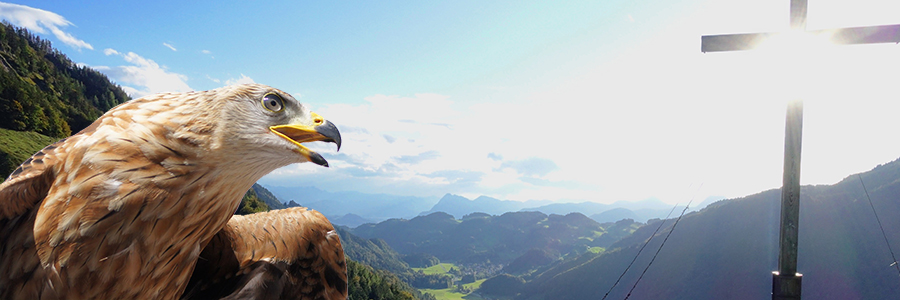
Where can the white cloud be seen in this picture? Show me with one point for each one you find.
(143, 76)
(241, 80)
(41, 21)
(170, 46)
(216, 80)
(532, 166)
(428, 145)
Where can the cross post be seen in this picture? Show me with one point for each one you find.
(786, 282)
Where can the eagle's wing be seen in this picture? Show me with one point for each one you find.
(20, 195)
(291, 253)
(28, 184)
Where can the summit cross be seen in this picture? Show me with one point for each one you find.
(786, 282)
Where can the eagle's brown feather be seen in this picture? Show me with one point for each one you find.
(123, 209)
(296, 250)
(28, 184)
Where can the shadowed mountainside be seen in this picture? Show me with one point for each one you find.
(728, 250)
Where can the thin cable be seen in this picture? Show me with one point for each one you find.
(661, 246)
(639, 252)
(894, 263)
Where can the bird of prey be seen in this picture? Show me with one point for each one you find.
(139, 205)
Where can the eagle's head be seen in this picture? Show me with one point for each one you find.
(243, 130)
(268, 124)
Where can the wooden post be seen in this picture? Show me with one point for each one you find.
(786, 282)
(798, 14)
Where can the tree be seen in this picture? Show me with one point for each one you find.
(421, 260)
(502, 285)
(251, 204)
(468, 278)
(368, 283)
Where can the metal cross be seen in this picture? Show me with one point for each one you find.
(786, 282)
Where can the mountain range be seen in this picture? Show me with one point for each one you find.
(459, 206)
(479, 238)
(640, 211)
(354, 208)
(374, 207)
(728, 250)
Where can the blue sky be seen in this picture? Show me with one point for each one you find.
(575, 101)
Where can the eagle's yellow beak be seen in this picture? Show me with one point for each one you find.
(323, 131)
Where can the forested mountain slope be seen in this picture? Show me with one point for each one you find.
(41, 90)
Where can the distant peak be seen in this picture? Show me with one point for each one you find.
(449, 196)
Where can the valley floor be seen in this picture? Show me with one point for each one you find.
(455, 294)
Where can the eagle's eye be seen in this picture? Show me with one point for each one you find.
(273, 102)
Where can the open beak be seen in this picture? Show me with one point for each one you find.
(322, 131)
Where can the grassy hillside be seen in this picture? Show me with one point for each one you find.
(466, 292)
(440, 268)
(17, 146)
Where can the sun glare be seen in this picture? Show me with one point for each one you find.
(796, 41)
(797, 62)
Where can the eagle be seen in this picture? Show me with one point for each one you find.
(141, 203)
